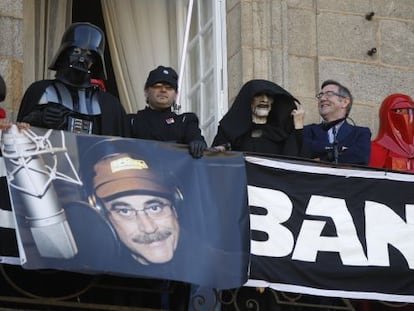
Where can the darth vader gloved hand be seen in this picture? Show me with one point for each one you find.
(197, 148)
(55, 116)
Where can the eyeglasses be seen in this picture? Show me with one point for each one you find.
(328, 94)
(155, 211)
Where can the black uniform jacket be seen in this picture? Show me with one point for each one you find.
(165, 125)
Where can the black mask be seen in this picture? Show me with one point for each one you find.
(80, 59)
(74, 68)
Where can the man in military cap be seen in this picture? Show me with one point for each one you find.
(140, 206)
(142, 202)
(158, 122)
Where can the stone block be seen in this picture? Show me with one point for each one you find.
(397, 43)
(246, 24)
(367, 82)
(233, 25)
(11, 36)
(261, 24)
(247, 68)
(310, 106)
(12, 73)
(234, 75)
(277, 74)
(276, 25)
(11, 8)
(393, 8)
(364, 115)
(230, 4)
(16, 88)
(304, 4)
(301, 76)
(346, 36)
(301, 32)
(353, 6)
(262, 65)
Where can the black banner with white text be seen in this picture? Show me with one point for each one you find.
(343, 232)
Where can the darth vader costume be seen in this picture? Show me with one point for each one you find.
(393, 148)
(70, 101)
(278, 134)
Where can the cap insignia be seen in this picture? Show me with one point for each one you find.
(127, 164)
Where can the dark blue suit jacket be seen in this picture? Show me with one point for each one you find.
(354, 143)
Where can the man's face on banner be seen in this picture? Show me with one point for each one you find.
(147, 225)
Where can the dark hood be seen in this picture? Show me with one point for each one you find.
(238, 120)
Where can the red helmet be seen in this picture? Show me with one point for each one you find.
(396, 131)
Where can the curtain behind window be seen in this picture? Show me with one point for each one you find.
(44, 24)
(141, 35)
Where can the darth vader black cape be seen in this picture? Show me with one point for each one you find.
(113, 116)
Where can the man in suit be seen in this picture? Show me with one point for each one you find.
(334, 139)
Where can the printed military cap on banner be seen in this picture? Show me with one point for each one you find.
(163, 74)
(123, 173)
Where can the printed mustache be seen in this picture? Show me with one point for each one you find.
(149, 238)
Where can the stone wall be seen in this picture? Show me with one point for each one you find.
(11, 53)
(295, 43)
(300, 43)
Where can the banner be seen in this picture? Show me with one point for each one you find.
(313, 228)
(129, 207)
(331, 231)
(9, 252)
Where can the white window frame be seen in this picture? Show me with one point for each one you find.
(217, 102)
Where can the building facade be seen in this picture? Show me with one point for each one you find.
(367, 45)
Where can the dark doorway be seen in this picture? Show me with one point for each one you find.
(91, 11)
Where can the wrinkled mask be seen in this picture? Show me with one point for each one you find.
(261, 106)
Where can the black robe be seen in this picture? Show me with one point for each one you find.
(279, 136)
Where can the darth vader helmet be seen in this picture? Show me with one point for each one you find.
(78, 38)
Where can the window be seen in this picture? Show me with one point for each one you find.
(137, 44)
(204, 88)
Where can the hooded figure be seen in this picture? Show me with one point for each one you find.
(393, 148)
(249, 125)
